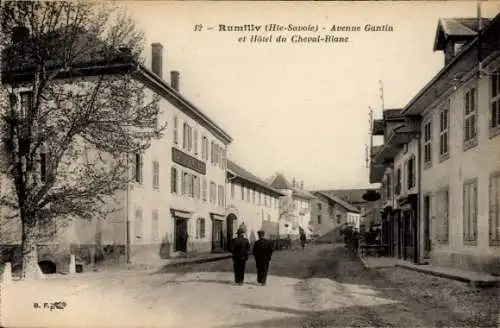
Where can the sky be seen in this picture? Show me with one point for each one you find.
(300, 108)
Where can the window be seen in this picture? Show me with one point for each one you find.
(427, 143)
(43, 167)
(138, 168)
(173, 180)
(156, 175)
(388, 186)
(187, 141)
(248, 195)
(319, 207)
(442, 203)
(444, 127)
(495, 103)
(212, 152)
(397, 190)
(176, 130)
(411, 172)
(242, 192)
(138, 223)
(213, 191)
(260, 199)
(196, 186)
(232, 190)
(191, 185)
(339, 217)
(221, 195)
(204, 148)
(195, 142)
(223, 158)
(319, 219)
(204, 189)
(495, 209)
(253, 196)
(470, 124)
(200, 228)
(154, 225)
(184, 183)
(470, 212)
(26, 103)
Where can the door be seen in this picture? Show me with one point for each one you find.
(217, 240)
(229, 231)
(427, 215)
(408, 223)
(180, 235)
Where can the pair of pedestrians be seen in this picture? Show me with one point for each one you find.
(262, 252)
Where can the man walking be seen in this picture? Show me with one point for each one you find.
(240, 250)
(262, 252)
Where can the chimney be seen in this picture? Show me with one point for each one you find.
(20, 33)
(301, 184)
(293, 182)
(174, 80)
(157, 59)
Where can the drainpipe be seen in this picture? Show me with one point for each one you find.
(418, 222)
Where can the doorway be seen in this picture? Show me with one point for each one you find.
(230, 230)
(427, 214)
(181, 235)
(217, 236)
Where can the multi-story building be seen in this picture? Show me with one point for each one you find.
(394, 165)
(178, 195)
(252, 203)
(329, 213)
(295, 207)
(445, 156)
(460, 147)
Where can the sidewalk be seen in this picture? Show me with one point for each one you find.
(476, 279)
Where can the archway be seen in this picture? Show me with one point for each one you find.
(47, 267)
(230, 221)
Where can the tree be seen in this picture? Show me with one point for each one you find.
(66, 143)
(287, 211)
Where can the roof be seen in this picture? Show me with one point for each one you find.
(458, 28)
(250, 177)
(349, 195)
(392, 114)
(90, 56)
(301, 193)
(464, 62)
(341, 202)
(280, 182)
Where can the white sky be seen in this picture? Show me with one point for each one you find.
(300, 108)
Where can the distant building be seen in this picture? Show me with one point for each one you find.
(329, 214)
(295, 207)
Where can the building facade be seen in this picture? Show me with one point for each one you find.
(295, 207)
(451, 153)
(253, 204)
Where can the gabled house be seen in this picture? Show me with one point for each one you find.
(295, 207)
(329, 213)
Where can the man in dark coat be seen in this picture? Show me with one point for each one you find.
(240, 250)
(262, 252)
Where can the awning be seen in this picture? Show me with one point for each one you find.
(181, 213)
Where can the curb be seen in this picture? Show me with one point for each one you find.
(197, 261)
(472, 282)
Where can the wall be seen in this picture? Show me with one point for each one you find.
(327, 218)
(477, 162)
(256, 215)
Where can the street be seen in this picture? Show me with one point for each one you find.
(316, 287)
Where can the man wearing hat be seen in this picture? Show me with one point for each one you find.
(262, 252)
(240, 250)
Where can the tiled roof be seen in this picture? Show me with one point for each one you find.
(280, 182)
(349, 195)
(341, 202)
(460, 28)
(248, 176)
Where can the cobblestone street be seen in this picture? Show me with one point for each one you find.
(316, 287)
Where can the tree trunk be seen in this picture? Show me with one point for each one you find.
(30, 268)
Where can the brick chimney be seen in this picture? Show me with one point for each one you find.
(174, 80)
(157, 59)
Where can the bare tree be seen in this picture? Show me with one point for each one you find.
(66, 142)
